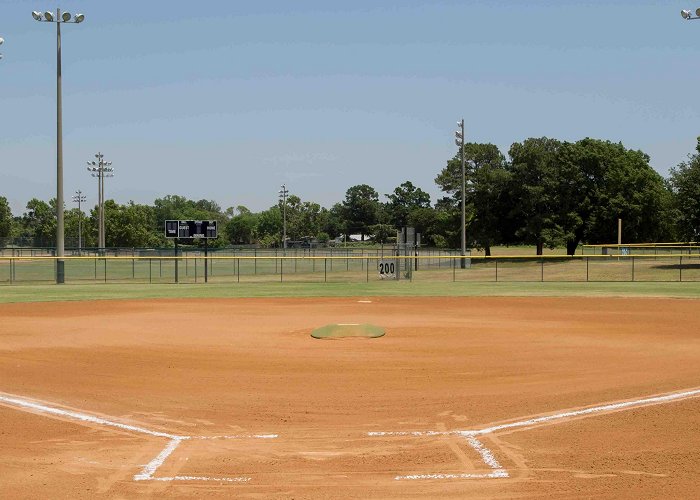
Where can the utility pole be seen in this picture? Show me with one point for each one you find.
(79, 198)
(459, 141)
(59, 19)
(100, 169)
(283, 196)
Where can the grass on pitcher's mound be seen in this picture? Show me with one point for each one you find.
(342, 330)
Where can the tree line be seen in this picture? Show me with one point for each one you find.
(545, 192)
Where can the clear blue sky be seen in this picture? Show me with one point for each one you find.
(226, 100)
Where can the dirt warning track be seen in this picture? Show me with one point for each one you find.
(478, 397)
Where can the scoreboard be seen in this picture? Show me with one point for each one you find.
(191, 229)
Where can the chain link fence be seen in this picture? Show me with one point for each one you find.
(341, 266)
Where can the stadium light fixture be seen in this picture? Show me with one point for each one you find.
(60, 234)
(688, 15)
(283, 196)
(80, 198)
(459, 141)
(100, 169)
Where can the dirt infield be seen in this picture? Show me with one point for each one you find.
(463, 397)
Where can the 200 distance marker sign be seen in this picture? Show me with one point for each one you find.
(190, 229)
(387, 268)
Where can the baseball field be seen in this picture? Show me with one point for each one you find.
(476, 390)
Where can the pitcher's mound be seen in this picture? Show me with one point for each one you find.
(342, 330)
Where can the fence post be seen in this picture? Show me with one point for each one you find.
(325, 273)
(238, 269)
(680, 268)
(496, 270)
(367, 267)
(454, 267)
(105, 269)
(542, 269)
(633, 268)
(281, 263)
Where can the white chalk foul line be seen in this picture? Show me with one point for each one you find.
(83, 417)
(241, 436)
(204, 478)
(148, 471)
(491, 475)
(489, 459)
(596, 409)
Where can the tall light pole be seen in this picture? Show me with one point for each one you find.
(2, 40)
(100, 169)
(283, 196)
(66, 17)
(459, 141)
(688, 16)
(79, 198)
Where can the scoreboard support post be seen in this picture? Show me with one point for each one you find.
(176, 263)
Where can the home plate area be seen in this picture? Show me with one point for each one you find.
(267, 458)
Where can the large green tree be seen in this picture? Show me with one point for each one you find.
(486, 180)
(405, 198)
(685, 183)
(131, 225)
(5, 218)
(242, 227)
(270, 227)
(534, 185)
(360, 209)
(39, 223)
(332, 220)
(629, 189)
(304, 218)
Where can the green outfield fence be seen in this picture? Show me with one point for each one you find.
(349, 268)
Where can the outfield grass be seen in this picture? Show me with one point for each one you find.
(73, 292)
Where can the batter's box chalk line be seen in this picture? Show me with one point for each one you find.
(490, 460)
(471, 436)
